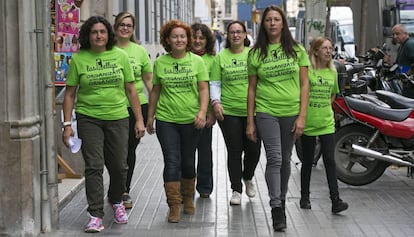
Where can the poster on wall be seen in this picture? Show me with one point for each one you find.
(67, 26)
(62, 61)
(66, 36)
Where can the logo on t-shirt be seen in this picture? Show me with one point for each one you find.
(102, 65)
(274, 54)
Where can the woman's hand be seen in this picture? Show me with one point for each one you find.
(67, 133)
(211, 119)
(150, 125)
(251, 132)
(298, 127)
(139, 129)
(200, 120)
(218, 111)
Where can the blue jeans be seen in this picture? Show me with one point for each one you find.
(278, 141)
(205, 162)
(237, 143)
(178, 143)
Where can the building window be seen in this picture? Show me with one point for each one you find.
(227, 7)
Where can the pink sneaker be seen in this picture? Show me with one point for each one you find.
(120, 215)
(94, 224)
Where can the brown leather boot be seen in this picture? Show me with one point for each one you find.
(172, 191)
(188, 190)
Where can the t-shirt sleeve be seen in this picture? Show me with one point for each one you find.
(72, 78)
(146, 62)
(215, 69)
(252, 60)
(128, 73)
(303, 59)
(155, 76)
(202, 74)
(335, 89)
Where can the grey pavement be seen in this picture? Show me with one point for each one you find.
(383, 208)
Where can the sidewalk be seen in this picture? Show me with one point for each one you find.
(383, 208)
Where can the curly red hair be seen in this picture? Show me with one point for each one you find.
(166, 31)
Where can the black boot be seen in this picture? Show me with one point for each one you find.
(279, 221)
(283, 205)
(338, 205)
(305, 202)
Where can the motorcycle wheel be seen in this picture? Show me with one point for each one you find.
(318, 151)
(355, 169)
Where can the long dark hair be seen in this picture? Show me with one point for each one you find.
(286, 39)
(246, 40)
(85, 30)
(206, 32)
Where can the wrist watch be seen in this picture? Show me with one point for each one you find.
(66, 123)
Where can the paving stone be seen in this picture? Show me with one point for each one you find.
(383, 208)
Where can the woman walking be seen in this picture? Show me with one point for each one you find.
(323, 80)
(99, 77)
(203, 46)
(278, 93)
(228, 89)
(142, 69)
(178, 102)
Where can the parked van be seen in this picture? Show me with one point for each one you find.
(342, 30)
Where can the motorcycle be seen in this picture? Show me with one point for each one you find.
(395, 101)
(370, 136)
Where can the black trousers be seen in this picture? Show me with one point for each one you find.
(328, 155)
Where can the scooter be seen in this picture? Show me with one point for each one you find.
(369, 138)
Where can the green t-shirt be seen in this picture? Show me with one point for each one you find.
(178, 78)
(278, 84)
(101, 78)
(140, 61)
(319, 115)
(231, 70)
(208, 60)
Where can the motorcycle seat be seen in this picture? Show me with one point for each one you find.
(374, 99)
(395, 100)
(378, 111)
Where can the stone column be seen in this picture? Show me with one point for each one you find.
(22, 123)
(315, 24)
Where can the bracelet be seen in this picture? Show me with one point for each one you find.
(66, 123)
(214, 103)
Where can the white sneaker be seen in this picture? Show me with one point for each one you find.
(250, 191)
(235, 198)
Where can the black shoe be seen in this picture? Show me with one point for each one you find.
(126, 199)
(305, 203)
(284, 210)
(204, 195)
(278, 218)
(338, 205)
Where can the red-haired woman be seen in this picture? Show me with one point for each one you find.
(178, 102)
